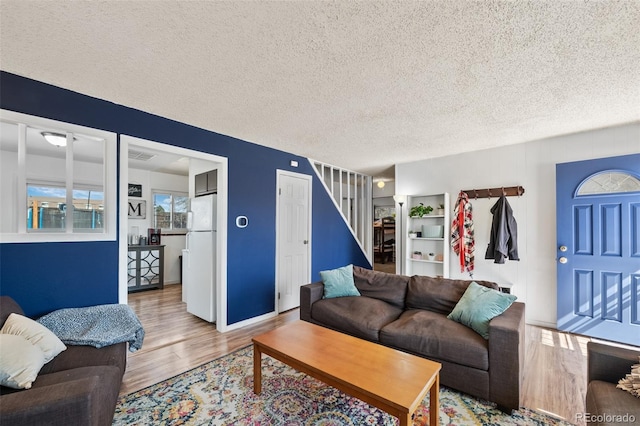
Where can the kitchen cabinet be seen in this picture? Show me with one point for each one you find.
(206, 183)
(145, 267)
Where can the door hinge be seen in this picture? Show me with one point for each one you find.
(278, 295)
(279, 191)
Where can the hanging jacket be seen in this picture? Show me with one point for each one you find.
(462, 238)
(503, 242)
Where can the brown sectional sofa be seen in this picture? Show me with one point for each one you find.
(410, 314)
(80, 386)
(605, 404)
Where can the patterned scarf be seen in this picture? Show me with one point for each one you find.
(462, 240)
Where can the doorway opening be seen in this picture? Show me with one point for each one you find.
(159, 172)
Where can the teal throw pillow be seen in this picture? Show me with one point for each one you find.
(478, 306)
(339, 282)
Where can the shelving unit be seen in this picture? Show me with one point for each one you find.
(423, 264)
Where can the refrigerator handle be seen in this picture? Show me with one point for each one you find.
(189, 220)
(188, 251)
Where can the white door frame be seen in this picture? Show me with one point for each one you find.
(309, 179)
(221, 252)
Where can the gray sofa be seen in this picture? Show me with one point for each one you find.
(605, 404)
(80, 386)
(410, 314)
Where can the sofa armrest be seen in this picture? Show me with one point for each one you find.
(309, 294)
(82, 396)
(506, 356)
(609, 363)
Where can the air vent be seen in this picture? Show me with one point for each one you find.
(140, 156)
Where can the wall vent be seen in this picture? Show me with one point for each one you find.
(140, 156)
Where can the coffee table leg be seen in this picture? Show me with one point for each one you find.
(405, 421)
(257, 370)
(434, 403)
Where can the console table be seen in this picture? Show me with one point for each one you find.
(145, 267)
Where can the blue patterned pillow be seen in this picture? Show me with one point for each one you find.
(478, 306)
(339, 282)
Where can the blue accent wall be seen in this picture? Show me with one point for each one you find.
(47, 276)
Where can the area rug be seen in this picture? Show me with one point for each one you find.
(220, 392)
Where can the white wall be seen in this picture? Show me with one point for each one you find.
(174, 243)
(531, 165)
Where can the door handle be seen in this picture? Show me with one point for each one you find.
(563, 248)
(563, 260)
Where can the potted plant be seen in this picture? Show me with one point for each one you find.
(420, 210)
(441, 209)
(413, 234)
(416, 255)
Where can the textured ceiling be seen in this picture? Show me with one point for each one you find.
(362, 85)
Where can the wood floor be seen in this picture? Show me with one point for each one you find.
(175, 341)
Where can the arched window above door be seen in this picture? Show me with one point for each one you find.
(609, 182)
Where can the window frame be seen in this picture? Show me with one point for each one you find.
(173, 194)
(19, 189)
(77, 186)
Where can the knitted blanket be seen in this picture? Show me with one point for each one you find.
(97, 326)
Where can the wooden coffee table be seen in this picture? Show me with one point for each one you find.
(393, 381)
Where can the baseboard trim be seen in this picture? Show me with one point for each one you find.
(542, 324)
(247, 322)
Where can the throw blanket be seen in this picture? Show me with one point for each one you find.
(462, 238)
(98, 326)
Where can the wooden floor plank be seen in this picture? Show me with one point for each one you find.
(175, 341)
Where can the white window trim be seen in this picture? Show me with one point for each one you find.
(110, 184)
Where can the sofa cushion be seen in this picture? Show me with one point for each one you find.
(82, 396)
(36, 334)
(339, 282)
(478, 306)
(359, 316)
(434, 336)
(438, 295)
(391, 288)
(603, 398)
(88, 356)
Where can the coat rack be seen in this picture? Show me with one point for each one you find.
(509, 191)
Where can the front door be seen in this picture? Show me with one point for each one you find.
(293, 237)
(598, 248)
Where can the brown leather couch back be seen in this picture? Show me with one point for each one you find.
(8, 306)
(390, 288)
(438, 294)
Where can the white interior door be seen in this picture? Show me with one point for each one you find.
(293, 243)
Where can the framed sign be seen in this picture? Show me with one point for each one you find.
(135, 190)
(137, 209)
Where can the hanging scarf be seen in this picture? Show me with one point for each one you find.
(462, 240)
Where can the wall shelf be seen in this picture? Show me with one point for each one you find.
(426, 261)
(437, 245)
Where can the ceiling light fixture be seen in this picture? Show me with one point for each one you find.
(55, 139)
(380, 184)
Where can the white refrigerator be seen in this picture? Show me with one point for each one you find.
(199, 258)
